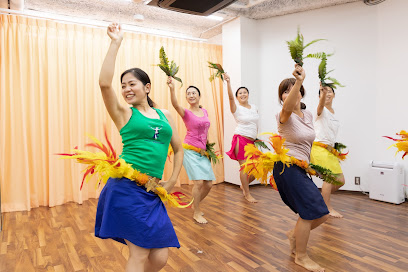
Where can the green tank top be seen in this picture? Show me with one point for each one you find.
(146, 142)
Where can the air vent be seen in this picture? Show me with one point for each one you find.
(196, 7)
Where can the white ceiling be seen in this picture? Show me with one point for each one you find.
(123, 11)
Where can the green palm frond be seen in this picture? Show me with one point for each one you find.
(219, 71)
(170, 70)
(212, 155)
(297, 47)
(324, 79)
(326, 174)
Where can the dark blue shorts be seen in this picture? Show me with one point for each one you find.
(299, 192)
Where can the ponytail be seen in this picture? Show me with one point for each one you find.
(150, 102)
(302, 105)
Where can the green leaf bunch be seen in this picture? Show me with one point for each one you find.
(323, 74)
(297, 47)
(326, 174)
(212, 156)
(170, 70)
(339, 147)
(219, 71)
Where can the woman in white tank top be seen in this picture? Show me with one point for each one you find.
(326, 127)
(246, 115)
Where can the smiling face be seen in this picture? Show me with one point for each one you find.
(329, 95)
(242, 95)
(192, 96)
(133, 90)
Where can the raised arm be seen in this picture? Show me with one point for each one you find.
(174, 102)
(115, 109)
(291, 101)
(233, 106)
(322, 100)
(178, 154)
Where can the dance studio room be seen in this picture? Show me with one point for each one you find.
(203, 135)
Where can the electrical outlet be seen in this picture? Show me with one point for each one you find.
(357, 180)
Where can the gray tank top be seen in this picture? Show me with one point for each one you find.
(299, 134)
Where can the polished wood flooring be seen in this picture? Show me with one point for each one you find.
(240, 236)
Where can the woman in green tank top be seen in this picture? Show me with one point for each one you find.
(127, 212)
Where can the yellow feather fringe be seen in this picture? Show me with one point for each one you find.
(107, 165)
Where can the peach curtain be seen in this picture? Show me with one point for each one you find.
(50, 99)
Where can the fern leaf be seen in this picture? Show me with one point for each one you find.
(318, 55)
(312, 42)
(297, 47)
(179, 80)
(335, 82)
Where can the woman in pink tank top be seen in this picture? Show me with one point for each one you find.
(196, 164)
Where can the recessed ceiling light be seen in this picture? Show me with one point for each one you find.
(138, 17)
(216, 18)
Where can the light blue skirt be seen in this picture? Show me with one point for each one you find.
(197, 167)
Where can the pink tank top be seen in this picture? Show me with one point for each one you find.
(197, 128)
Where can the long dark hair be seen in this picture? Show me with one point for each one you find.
(285, 84)
(199, 93)
(236, 93)
(143, 77)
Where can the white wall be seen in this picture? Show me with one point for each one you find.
(238, 38)
(369, 44)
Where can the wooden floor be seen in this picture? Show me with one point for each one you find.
(373, 236)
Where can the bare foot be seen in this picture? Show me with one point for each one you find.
(199, 218)
(335, 214)
(292, 241)
(308, 264)
(248, 196)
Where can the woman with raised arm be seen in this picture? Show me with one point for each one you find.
(198, 166)
(246, 115)
(127, 212)
(327, 126)
(296, 189)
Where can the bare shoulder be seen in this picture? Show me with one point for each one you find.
(166, 113)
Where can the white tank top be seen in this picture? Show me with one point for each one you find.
(247, 120)
(326, 127)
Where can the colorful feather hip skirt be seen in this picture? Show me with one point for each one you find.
(198, 167)
(242, 142)
(323, 157)
(299, 192)
(126, 211)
